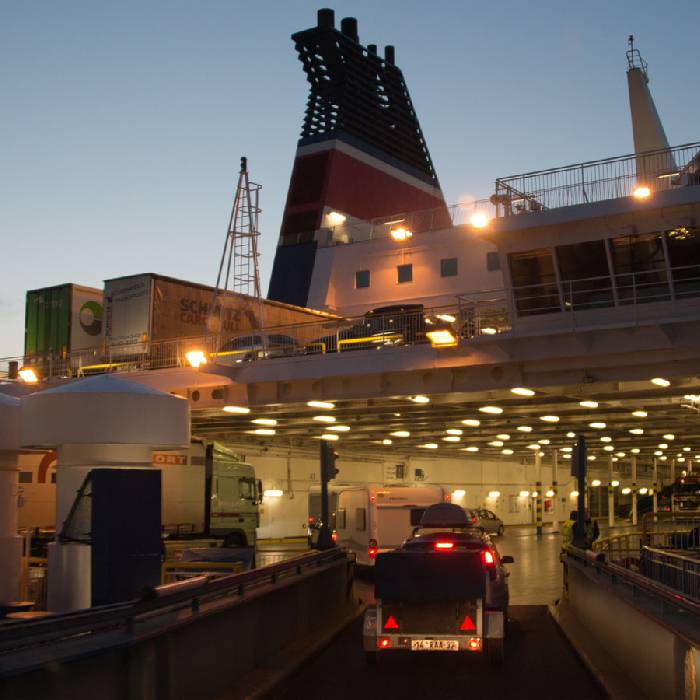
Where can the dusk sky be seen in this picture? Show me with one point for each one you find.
(123, 123)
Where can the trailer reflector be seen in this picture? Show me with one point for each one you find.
(391, 624)
(467, 624)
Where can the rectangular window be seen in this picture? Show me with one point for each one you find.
(585, 275)
(360, 519)
(448, 267)
(493, 262)
(340, 519)
(640, 268)
(534, 282)
(404, 273)
(25, 477)
(362, 279)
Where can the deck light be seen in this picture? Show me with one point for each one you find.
(597, 425)
(451, 438)
(641, 192)
(454, 431)
(495, 410)
(494, 494)
(479, 220)
(335, 218)
(544, 441)
(567, 449)
(669, 436)
(549, 493)
(660, 381)
(471, 422)
(635, 450)
(627, 490)
(262, 431)
(571, 435)
(524, 494)
(400, 433)
(524, 428)
(643, 490)
(574, 494)
(608, 448)
(273, 493)
(588, 404)
(448, 318)
(324, 419)
(458, 493)
(264, 421)
(330, 437)
(636, 431)
(339, 428)
(663, 458)
(640, 414)
(620, 454)
(550, 419)
(503, 436)
(663, 446)
(606, 438)
(28, 375)
(195, 358)
(591, 458)
(595, 482)
(441, 338)
(236, 409)
(419, 399)
(386, 441)
(496, 443)
(326, 405)
(567, 455)
(681, 459)
(522, 391)
(657, 453)
(534, 494)
(534, 446)
(400, 233)
(506, 452)
(471, 448)
(489, 331)
(429, 445)
(614, 483)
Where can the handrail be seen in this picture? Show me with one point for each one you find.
(57, 628)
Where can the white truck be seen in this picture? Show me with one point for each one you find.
(373, 519)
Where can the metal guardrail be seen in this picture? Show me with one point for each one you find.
(57, 629)
(596, 181)
(177, 570)
(680, 571)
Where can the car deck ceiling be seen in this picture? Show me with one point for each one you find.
(372, 421)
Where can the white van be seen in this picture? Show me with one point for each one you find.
(372, 519)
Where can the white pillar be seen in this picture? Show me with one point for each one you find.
(538, 487)
(555, 488)
(10, 541)
(634, 489)
(655, 501)
(611, 496)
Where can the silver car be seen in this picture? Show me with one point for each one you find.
(488, 521)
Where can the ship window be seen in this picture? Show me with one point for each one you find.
(360, 519)
(534, 282)
(684, 251)
(340, 519)
(493, 262)
(640, 268)
(404, 273)
(585, 275)
(362, 279)
(448, 267)
(25, 477)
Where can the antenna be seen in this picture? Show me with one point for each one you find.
(634, 58)
(238, 268)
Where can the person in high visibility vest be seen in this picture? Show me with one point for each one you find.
(567, 530)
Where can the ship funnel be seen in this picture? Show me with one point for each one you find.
(326, 18)
(647, 130)
(372, 48)
(348, 25)
(390, 54)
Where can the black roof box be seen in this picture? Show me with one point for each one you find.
(444, 515)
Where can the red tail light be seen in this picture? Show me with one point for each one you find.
(488, 558)
(334, 536)
(444, 546)
(391, 624)
(467, 624)
(310, 520)
(474, 644)
(383, 642)
(372, 549)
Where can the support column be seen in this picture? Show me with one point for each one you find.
(555, 488)
(538, 488)
(634, 489)
(655, 486)
(611, 496)
(10, 541)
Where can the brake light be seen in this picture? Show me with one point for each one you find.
(391, 624)
(444, 546)
(467, 624)
(474, 644)
(383, 642)
(334, 536)
(310, 520)
(372, 551)
(488, 558)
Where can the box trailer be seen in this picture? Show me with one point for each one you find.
(146, 309)
(62, 320)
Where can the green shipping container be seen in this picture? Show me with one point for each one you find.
(47, 321)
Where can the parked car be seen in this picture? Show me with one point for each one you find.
(488, 521)
(246, 348)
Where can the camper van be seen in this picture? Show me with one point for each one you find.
(372, 519)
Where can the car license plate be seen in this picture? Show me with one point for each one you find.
(434, 645)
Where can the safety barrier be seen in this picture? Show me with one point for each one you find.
(194, 639)
(680, 571)
(176, 570)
